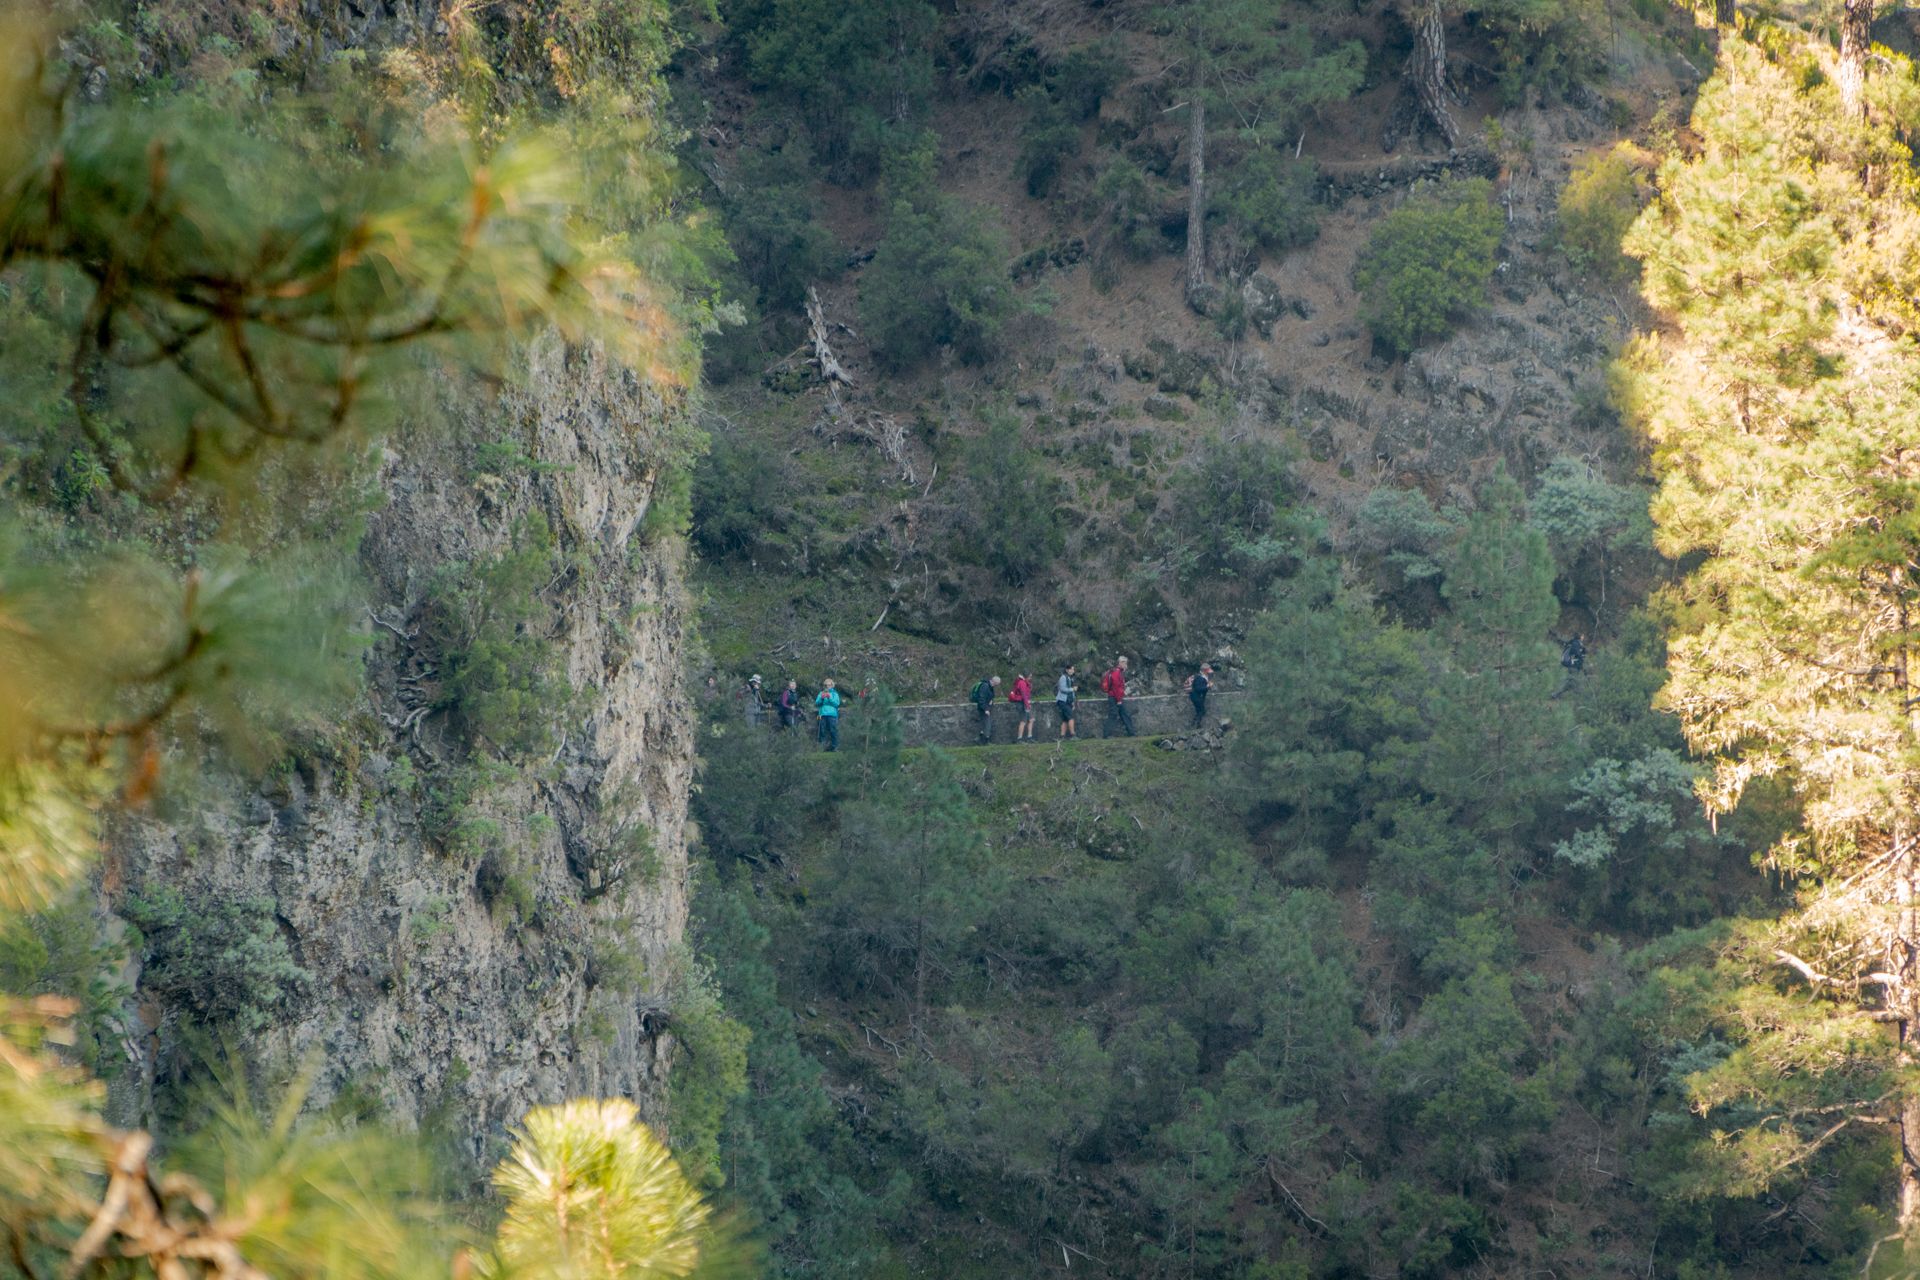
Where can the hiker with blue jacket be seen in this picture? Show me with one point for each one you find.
(826, 704)
(1065, 694)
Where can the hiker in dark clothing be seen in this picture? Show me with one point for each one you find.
(1065, 694)
(789, 705)
(1114, 685)
(1573, 660)
(983, 695)
(1197, 686)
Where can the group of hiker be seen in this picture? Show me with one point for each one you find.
(789, 706)
(1066, 700)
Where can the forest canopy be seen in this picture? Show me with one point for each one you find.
(440, 435)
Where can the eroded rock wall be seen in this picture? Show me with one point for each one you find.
(452, 978)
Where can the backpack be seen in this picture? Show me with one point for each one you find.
(1187, 687)
(983, 695)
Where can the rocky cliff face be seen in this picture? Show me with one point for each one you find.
(475, 935)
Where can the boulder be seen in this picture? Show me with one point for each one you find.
(1266, 302)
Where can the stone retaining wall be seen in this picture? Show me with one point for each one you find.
(957, 724)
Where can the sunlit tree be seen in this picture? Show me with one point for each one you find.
(1784, 415)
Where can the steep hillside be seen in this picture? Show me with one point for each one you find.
(422, 419)
(1438, 965)
(868, 557)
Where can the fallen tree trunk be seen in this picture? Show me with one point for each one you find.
(832, 372)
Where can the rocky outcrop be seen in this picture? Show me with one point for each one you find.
(477, 933)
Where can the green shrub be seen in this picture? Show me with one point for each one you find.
(859, 74)
(224, 962)
(1428, 263)
(1082, 79)
(739, 499)
(752, 802)
(499, 667)
(1233, 319)
(1580, 511)
(1643, 858)
(939, 277)
(1013, 518)
(505, 458)
(1127, 201)
(709, 1072)
(1549, 45)
(506, 886)
(431, 922)
(1049, 138)
(1398, 531)
(774, 225)
(669, 506)
(1269, 195)
(1234, 513)
(1598, 204)
(450, 799)
(60, 952)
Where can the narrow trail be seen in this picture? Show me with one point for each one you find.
(957, 724)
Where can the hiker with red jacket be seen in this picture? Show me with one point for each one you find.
(1114, 685)
(1021, 696)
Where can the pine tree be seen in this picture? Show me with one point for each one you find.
(1856, 38)
(899, 890)
(1333, 716)
(1501, 739)
(591, 1194)
(1785, 421)
(1464, 1071)
(1244, 68)
(1428, 65)
(858, 75)
(786, 1150)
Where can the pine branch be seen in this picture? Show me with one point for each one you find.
(1804, 969)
